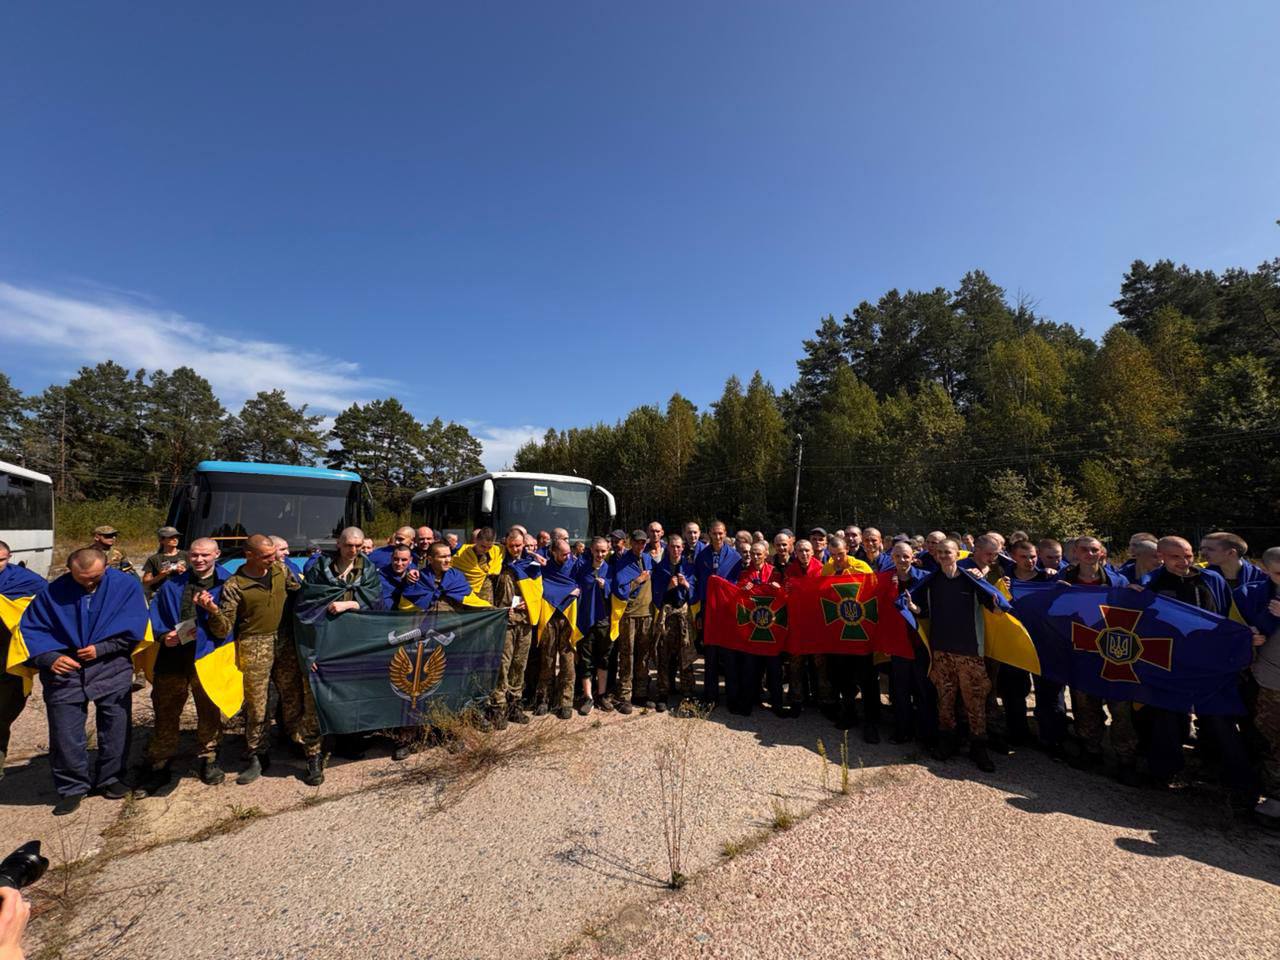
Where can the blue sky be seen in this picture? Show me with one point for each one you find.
(531, 215)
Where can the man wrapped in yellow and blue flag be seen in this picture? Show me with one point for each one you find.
(188, 659)
(558, 631)
(480, 562)
(80, 634)
(18, 586)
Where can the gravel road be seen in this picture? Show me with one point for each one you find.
(558, 850)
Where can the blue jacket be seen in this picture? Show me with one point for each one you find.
(664, 593)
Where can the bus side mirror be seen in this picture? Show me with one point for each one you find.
(486, 497)
(611, 505)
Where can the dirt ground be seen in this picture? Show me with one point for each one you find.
(549, 840)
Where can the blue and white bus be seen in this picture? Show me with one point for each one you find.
(230, 502)
(26, 517)
(536, 501)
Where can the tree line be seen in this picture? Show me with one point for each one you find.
(963, 409)
(109, 432)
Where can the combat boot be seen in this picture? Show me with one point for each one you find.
(252, 772)
(155, 779)
(315, 771)
(978, 754)
(564, 713)
(515, 714)
(210, 772)
(498, 718)
(541, 709)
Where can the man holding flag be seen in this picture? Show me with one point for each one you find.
(851, 672)
(519, 590)
(17, 586)
(631, 574)
(951, 599)
(717, 559)
(80, 634)
(480, 562)
(673, 581)
(1086, 709)
(558, 631)
(174, 675)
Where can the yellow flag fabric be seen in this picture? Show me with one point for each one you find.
(11, 616)
(145, 653)
(852, 565)
(617, 608)
(221, 678)
(467, 561)
(548, 610)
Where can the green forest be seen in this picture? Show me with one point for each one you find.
(109, 435)
(953, 408)
(961, 409)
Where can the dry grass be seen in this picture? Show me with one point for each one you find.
(736, 848)
(678, 794)
(781, 817)
(239, 818)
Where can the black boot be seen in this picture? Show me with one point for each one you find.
(978, 754)
(946, 748)
(155, 779)
(210, 772)
(515, 714)
(315, 771)
(252, 772)
(870, 733)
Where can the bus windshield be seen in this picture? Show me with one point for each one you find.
(542, 505)
(234, 506)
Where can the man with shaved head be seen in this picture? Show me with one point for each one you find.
(174, 675)
(403, 537)
(873, 552)
(253, 606)
(1179, 577)
(80, 634)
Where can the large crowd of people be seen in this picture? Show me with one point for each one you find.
(636, 642)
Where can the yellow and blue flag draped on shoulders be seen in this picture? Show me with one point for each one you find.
(527, 574)
(476, 565)
(626, 567)
(18, 587)
(1001, 636)
(65, 617)
(215, 659)
(559, 581)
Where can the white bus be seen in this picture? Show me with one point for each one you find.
(26, 517)
(537, 501)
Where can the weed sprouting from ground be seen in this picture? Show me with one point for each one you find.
(678, 787)
(781, 817)
(844, 764)
(240, 816)
(822, 754)
(736, 848)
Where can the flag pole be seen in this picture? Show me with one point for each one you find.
(795, 499)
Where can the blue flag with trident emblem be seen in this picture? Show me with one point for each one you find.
(1124, 644)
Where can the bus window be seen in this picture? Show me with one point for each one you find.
(543, 505)
(456, 515)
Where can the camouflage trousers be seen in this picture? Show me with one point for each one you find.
(264, 658)
(647, 660)
(168, 696)
(515, 658)
(1266, 720)
(633, 646)
(1090, 723)
(675, 647)
(954, 673)
(556, 668)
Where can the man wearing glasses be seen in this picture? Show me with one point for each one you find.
(104, 538)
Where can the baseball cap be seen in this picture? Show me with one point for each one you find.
(165, 532)
(106, 530)
(818, 530)
(618, 535)
(639, 535)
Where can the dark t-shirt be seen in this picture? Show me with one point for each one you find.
(1192, 589)
(952, 628)
(158, 563)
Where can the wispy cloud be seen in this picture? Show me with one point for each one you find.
(135, 334)
(501, 443)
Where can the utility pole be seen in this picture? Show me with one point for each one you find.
(795, 499)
